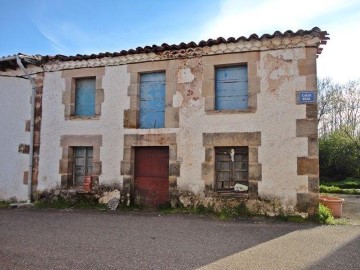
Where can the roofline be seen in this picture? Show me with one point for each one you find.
(316, 32)
(156, 49)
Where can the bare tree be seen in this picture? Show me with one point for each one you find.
(338, 107)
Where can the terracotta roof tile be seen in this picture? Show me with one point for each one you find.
(316, 32)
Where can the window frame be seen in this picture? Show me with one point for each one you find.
(68, 143)
(131, 115)
(217, 96)
(76, 113)
(223, 151)
(86, 166)
(141, 111)
(211, 62)
(69, 94)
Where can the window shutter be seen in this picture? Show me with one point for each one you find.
(231, 88)
(152, 100)
(85, 97)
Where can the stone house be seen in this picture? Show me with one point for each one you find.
(219, 120)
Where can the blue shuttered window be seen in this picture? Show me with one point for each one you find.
(85, 97)
(231, 88)
(152, 100)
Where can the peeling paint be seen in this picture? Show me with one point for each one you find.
(184, 75)
(177, 99)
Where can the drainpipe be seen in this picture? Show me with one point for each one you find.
(32, 121)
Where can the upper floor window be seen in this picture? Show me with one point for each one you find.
(152, 100)
(85, 93)
(231, 88)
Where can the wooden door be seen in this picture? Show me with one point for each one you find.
(151, 175)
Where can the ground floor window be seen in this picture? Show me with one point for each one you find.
(82, 164)
(232, 169)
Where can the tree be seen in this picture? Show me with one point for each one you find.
(339, 128)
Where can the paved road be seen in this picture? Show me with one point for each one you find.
(351, 208)
(59, 239)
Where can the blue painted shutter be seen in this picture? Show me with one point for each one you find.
(152, 100)
(231, 88)
(85, 97)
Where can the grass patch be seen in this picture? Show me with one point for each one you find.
(4, 204)
(61, 203)
(348, 183)
(291, 218)
(228, 213)
(347, 186)
(336, 189)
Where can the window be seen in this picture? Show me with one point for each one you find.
(85, 97)
(232, 167)
(82, 165)
(83, 94)
(231, 88)
(152, 100)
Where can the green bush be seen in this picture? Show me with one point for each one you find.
(339, 156)
(324, 216)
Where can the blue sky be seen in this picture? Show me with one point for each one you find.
(69, 27)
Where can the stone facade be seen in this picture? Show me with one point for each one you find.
(280, 135)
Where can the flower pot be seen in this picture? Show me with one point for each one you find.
(334, 204)
(87, 183)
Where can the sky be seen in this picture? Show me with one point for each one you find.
(71, 27)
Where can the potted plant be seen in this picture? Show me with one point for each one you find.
(333, 203)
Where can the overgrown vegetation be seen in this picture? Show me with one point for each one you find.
(339, 156)
(53, 199)
(4, 204)
(339, 132)
(324, 216)
(228, 213)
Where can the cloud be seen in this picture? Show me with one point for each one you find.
(55, 43)
(65, 37)
(339, 17)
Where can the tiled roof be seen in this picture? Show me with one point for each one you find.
(316, 32)
(8, 63)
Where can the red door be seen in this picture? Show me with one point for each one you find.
(152, 175)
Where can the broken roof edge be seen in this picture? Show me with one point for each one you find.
(37, 60)
(10, 61)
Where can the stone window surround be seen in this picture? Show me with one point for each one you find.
(232, 139)
(67, 142)
(131, 116)
(211, 62)
(143, 140)
(70, 77)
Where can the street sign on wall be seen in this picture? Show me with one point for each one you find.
(305, 97)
